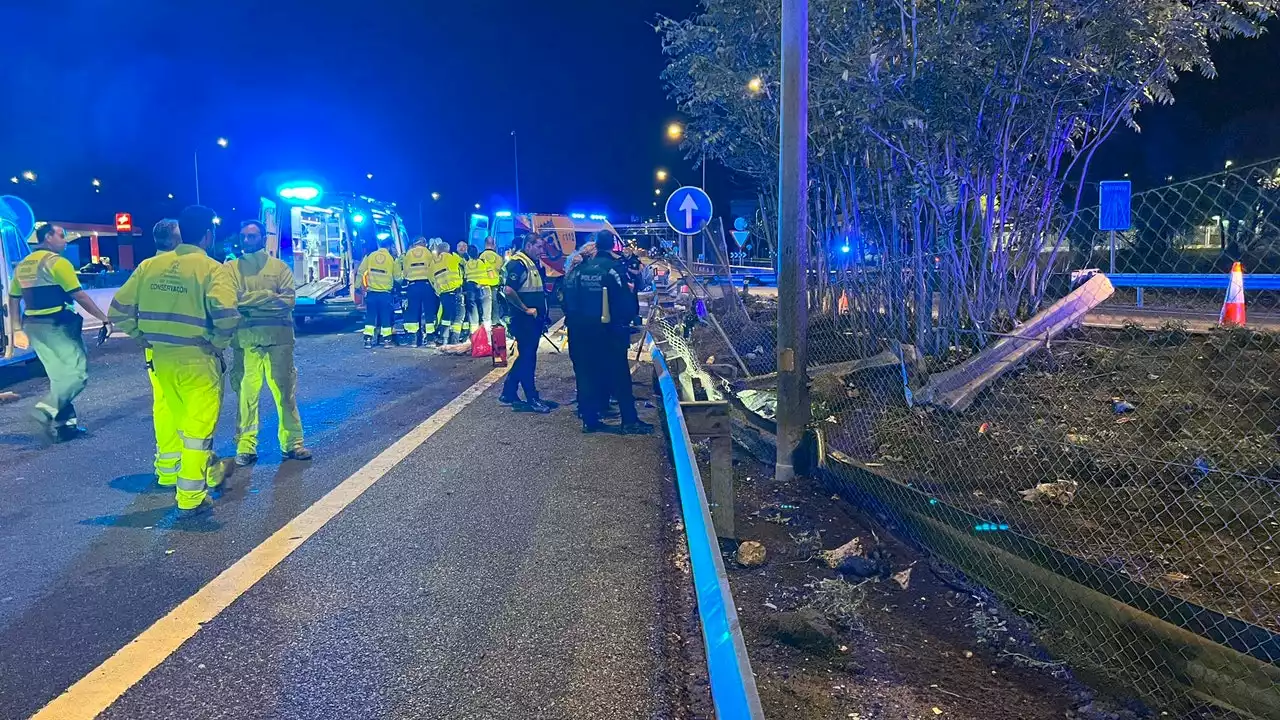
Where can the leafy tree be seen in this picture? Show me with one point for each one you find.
(942, 132)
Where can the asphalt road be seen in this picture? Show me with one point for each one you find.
(509, 567)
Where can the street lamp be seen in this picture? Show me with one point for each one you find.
(477, 206)
(435, 196)
(1229, 164)
(217, 220)
(675, 131)
(170, 196)
(97, 182)
(222, 142)
(662, 176)
(29, 176)
(368, 176)
(657, 191)
(755, 85)
(14, 179)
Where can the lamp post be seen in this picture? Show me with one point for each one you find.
(195, 160)
(515, 155)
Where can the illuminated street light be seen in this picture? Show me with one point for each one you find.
(435, 196)
(1126, 174)
(369, 175)
(1229, 164)
(477, 206)
(675, 131)
(170, 196)
(662, 176)
(217, 220)
(14, 179)
(657, 191)
(755, 85)
(29, 176)
(1169, 179)
(655, 203)
(222, 142)
(97, 182)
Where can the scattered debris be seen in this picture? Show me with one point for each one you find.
(1061, 492)
(903, 578)
(1121, 407)
(751, 554)
(168, 552)
(860, 566)
(982, 429)
(9, 397)
(1176, 577)
(833, 558)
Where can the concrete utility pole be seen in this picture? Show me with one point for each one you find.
(793, 236)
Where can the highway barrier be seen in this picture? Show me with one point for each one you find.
(733, 685)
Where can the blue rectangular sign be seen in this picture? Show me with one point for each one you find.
(1113, 205)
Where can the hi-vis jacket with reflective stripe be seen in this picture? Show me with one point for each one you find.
(379, 271)
(417, 263)
(179, 299)
(265, 294)
(486, 270)
(45, 281)
(447, 274)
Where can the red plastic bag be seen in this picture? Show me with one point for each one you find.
(499, 346)
(480, 347)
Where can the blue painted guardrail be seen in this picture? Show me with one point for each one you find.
(1196, 281)
(733, 685)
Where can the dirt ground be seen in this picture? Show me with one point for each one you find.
(936, 649)
(1179, 492)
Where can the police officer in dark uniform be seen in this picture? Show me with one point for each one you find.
(600, 305)
(526, 296)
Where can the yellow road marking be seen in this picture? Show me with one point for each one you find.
(96, 691)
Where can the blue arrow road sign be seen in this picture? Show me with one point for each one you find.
(689, 210)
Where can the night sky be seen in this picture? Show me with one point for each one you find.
(423, 95)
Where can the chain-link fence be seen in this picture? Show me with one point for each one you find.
(1109, 468)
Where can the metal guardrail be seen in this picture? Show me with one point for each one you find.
(1196, 281)
(733, 685)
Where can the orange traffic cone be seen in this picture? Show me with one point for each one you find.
(843, 304)
(1233, 307)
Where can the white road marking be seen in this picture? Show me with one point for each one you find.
(95, 692)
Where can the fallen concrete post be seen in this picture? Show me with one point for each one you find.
(887, 358)
(957, 388)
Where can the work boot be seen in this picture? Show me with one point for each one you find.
(508, 400)
(590, 427)
(368, 342)
(67, 433)
(298, 453)
(451, 338)
(204, 508)
(246, 459)
(549, 403)
(534, 406)
(638, 427)
(417, 339)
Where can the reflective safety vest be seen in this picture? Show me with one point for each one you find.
(486, 270)
(265, 296)
(45, 281)
(179, 299)
(417, 263)
(379, 271)
(531, 291)
(447, 275)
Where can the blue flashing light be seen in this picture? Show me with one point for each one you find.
(299, 192)
(578, 216)
(599, 217)
(990, 527)
(844, 248)
(384, 235)
(503, 213)
(357, 218)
